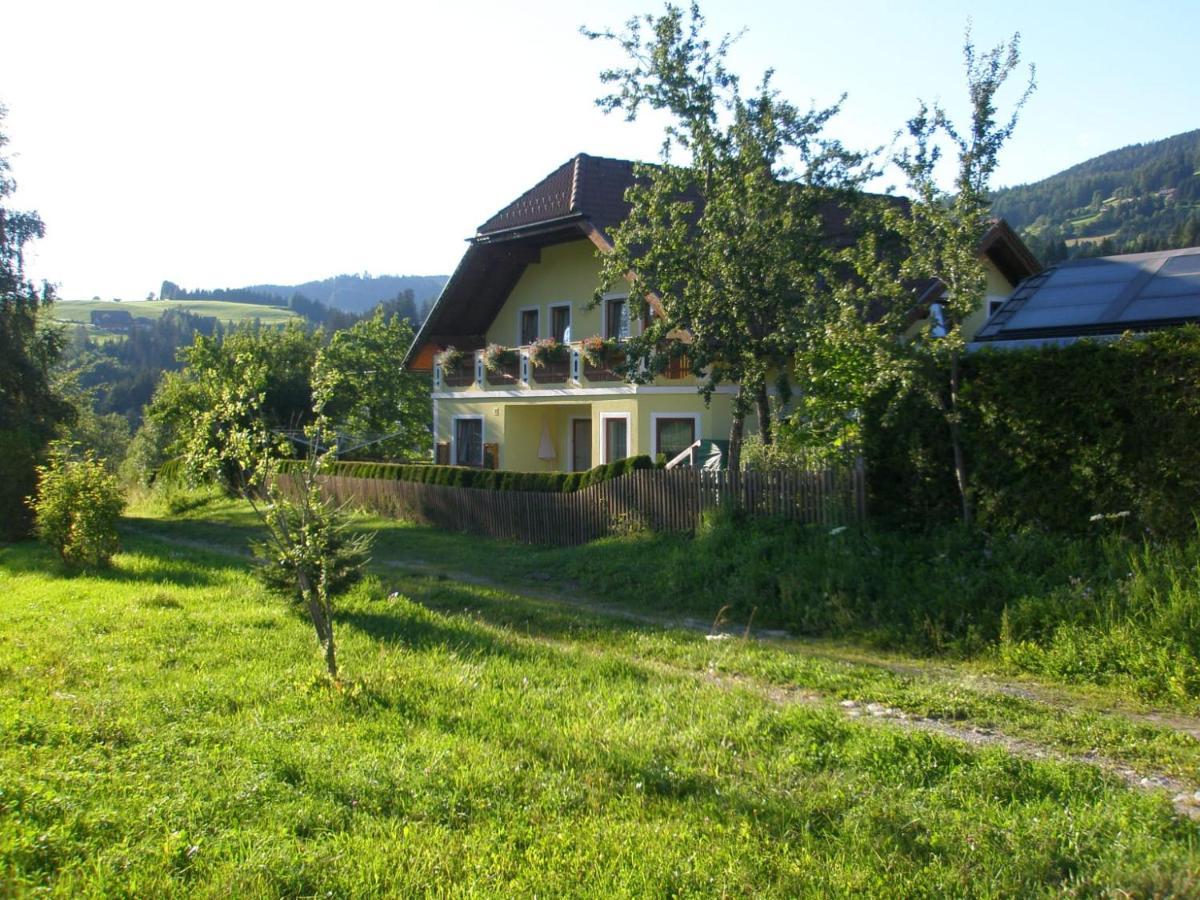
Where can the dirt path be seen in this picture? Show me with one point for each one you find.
(1185, 797)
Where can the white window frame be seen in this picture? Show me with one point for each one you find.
(454, 420)
(654, 417)
(604, 417)
(561, 304)
(520, 315)
(994, 304)
(616, 295)
(571, 420)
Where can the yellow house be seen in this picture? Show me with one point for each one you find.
(529, 275)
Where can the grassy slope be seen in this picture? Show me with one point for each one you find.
(81, 310)
(163, 731)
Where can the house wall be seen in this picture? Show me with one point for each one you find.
(998, 288)
(516, 424)
(567, 273)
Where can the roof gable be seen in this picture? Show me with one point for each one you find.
(590, 187)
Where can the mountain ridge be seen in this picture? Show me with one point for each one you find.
(1136, 198)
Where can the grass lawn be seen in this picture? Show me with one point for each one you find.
(164, 729)
(80, 311)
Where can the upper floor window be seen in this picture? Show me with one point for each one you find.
(529, 326)
(560, 323)
(616, 318)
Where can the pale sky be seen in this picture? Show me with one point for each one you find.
(221, 144)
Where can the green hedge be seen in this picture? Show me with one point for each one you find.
(1053, 437)
(488, 479)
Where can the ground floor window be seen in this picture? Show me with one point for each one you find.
(616, 438)
(673, 434)
(468, 441)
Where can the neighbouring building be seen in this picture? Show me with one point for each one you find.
(1100, 297)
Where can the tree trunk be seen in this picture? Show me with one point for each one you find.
(763, 404)
(960, 466)
(322, 624)
(736, 428)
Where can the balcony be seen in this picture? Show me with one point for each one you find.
(578, 364)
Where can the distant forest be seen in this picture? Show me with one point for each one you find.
(1139, 198)
(355, 294)
(119, 375)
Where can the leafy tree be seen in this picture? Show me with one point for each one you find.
(194, 408)
(30, 408)
(374, 403)
(931, 240)
(145, 454)
(727, 245)
(77, 508)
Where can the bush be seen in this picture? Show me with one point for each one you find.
(77, 507)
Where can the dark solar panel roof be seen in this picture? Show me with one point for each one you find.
(1107, 295)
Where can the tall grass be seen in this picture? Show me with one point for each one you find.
(1101, 608)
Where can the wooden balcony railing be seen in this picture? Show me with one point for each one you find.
(460, 375)
(504, 375)
(556, 372)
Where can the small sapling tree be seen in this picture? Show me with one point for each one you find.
(308, 552)
(932, 239)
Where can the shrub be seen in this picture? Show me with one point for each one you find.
(77, 507)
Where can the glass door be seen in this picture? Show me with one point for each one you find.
(616, 438)
(581, 445)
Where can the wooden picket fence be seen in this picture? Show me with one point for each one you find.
(658, 499)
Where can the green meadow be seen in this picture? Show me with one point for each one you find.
(165, 730)
(80, 311)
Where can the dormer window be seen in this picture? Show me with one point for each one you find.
(616, 318)
(529, 326)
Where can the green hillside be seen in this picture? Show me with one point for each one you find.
(1139, 198)
(81, 310)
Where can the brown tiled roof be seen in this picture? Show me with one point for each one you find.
(584, 193)
(591, 187)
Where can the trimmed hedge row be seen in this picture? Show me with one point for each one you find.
(1053, 437)
(487, 479)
